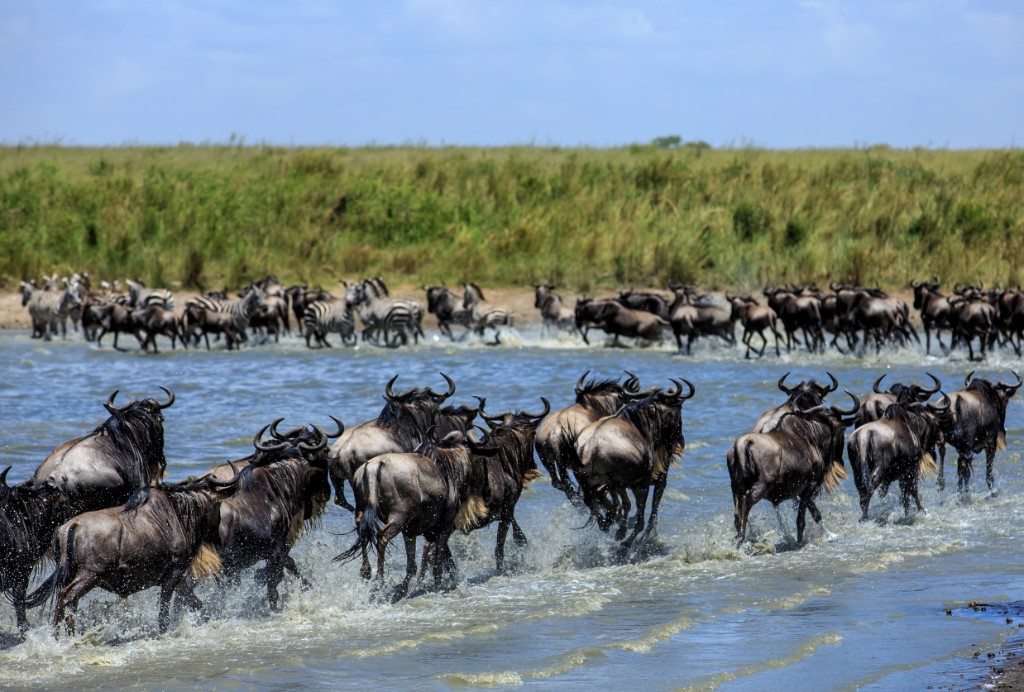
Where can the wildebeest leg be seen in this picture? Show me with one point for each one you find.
(517, 533)
(499, 546)
(905, 495)
(293, 569)
(689, 343)
(640, 493)
(963, 471)
(990, 457)
(624, 507)
(746, 342)
(782, 523)
(18, 599)
(659, 490)
(274, 573)
(442, 557)
(410, 566)
(393, 527)
(941, 480)
(801, 519)
(428, 551)
(67, 600)
(167, 590)
(187, 595)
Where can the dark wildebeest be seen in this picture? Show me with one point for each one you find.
(802, 454)
(882, 318)
(555, 313)
(157, 538)
(157, 320)
(430, 492)
(283, 488)
(803, 395)
(798, 313)
(755, 319)
(976, 422)
(936, 312)
(29, 514)
(632, 449)
(103, 468)
(556, 435)
(119, 319)
(401, 426)
(874, 404)
(894, 448)
(973, 319)
(508, 470)
(645, 301)
(618, 320)
(447, 308)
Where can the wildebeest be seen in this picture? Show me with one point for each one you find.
(976, 422)
(507, 471)
(401, 426)
(283, 487)
(894, 448)
(936, 312)
(802, 453)
(632, 449)
(618, 320)
(430, 492)
(208, 321)
(103, 468)
(29, 514)
(155, 320)
(798, 313)
(554, 313)
(557, 433)
(874, 404)
(755, 320)
(645, 301)
(803, 395)
(443, 304)
(119, 319)
(155, 539)
(973, 319)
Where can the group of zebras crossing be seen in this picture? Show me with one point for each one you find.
(262, 311)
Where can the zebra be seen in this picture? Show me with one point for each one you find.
(50, 308)
(141, 297)
(323, 317)
(444, 305)
(382, 314)
(484, 315)
(241, 309)
(28, 291)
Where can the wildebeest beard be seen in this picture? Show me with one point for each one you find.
(293, 478)
(408, 419)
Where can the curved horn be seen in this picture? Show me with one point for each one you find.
(546, 411)
(938, 385)
(579, 382)
(228, 483)
(782, 384)
(856, 405)
(835, 382)
(388, 391)
(482, 400)
(484, 415)
(691, 393)
(3, 477)
(267, 447)
(672, 393)
(278, 436)
(109, 404)
(1013, 387)
(935, 408)
(170, 398)
(341, 429)
(451, 388)
(876, 387)
(632, 383)
(967, 380)
(321, 442)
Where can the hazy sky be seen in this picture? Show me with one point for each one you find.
(774, 73)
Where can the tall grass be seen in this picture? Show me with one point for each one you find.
(207, 216)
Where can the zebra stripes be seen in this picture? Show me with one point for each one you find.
(323, 317)
(394, 319)
(484, 315)
(48, 309)
(241, 309)
(141, 297)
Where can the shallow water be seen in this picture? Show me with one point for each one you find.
(865, 607)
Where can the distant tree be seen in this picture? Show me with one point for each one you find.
(667, 142)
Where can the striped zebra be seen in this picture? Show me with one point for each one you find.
(323, 317)
(393, 319)
(485, 315)
(241, 309)
(48, 309)
(141, 297)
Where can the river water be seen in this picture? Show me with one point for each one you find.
(861, 604)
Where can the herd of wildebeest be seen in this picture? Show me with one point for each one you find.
(847, 318)
(98, 508)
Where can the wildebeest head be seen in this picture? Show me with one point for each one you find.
(540, 292)
(908, 393)
(514, 418)
(459, 417)
(138, 427)
(807, 394)
(999, 394)
(437, 297)
(593, 393)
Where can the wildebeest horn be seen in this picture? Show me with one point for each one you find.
(109, 404)
(835, 382)
(321, 438)
(451, 388)
(856, 405)
(876, 387)
(967, 380)
(579, 382)
(1012, 387)
(938, 384)
(782, 384)
(264, 446)
(388, 391)
(170, 398)
(632, 383)
(3, 476)
(546, 411)
(228, 483)
(278, 436)
(935, 408)
(341, 429)
(484, 415)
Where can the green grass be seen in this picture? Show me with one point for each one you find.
(206, 216)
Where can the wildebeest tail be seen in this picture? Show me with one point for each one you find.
(741, 465)
(369, 527)
(59, 578)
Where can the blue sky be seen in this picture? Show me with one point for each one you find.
(943, 73)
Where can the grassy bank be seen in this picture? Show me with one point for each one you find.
(200, 216)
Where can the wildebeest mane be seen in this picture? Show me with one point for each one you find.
(988, 391)
(407, 419)
(514, 445)
(138, 434)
